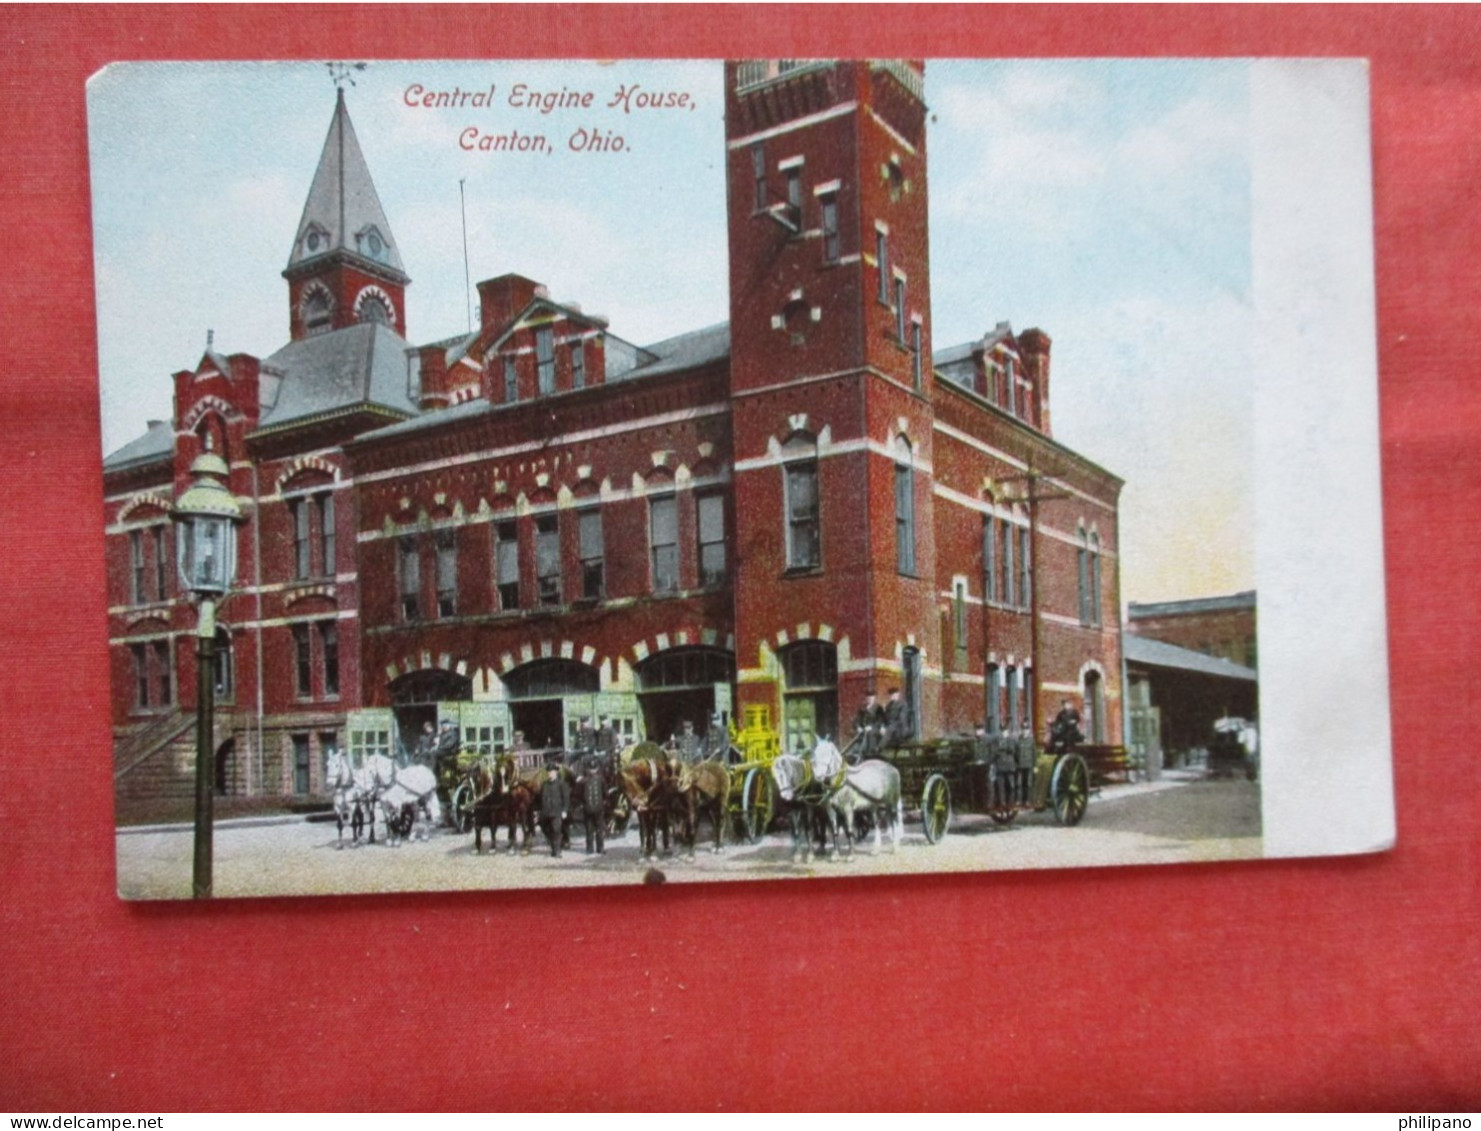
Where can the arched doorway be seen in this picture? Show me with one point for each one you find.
(546, 698)
(1095, 708)
(809, 693)
(226, 766)
(684, 685)
(414, 699)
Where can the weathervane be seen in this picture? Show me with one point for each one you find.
(340, 74)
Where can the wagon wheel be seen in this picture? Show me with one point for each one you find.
(1069, 789)
(618, 815)
(1003, 816)
(460, 809)
(935, 808)
(757, 804)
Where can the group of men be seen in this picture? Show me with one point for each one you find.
(689, 747)
(882, 726)
(593, 762)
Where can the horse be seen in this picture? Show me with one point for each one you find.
(503, 796)
(871, 787)
(648, 785)
(354, 797)
(396, 788)
(803, 798)
(702, 787)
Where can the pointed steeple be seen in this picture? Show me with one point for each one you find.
(345, 266)
(343, 210)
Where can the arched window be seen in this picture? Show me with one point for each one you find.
(685, 668)
(803, 517)
(904, 507)
(551, 679)
(317, 310)
(373, 308)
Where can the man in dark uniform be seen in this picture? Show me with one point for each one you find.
(716, 744)
(555, 805)
(426, 748)
(591, 788)
(586, 736)
(1064, 731)
(446, 752)
(607, 744)
(869, 726)
(896, 719)
(685, 744)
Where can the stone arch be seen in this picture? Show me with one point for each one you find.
(143, 502)
(305, 465)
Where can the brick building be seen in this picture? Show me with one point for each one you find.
(1216, 626)
(539, 519)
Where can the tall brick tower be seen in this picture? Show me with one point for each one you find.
(345, 266)
(830, 363)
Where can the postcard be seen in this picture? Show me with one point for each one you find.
(531, 474)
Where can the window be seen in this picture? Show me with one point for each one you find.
(589, 535)
(710, 514)
(545, 360)
(758, 176)
(300, 763)
(831, 247)
(506, 564)
(511, 381)
(578, 364)
(327, 554)
(1025, 569)
(900, 309)
(300, 509)
(373, 308)
(141, 674)
(316, 311)
(1095, 579)
(303, 664)
(882, 260)
(1010, 382)
(794, 195)
(803, 543)
(904, 508)
(1006, 589)
(959, 621)
(329, 653)
(447, 572)
(548, 559)
(917, 359)
(161, 565)
(226, 667)
(410, 568)
(989, 559)
(1014, 720)
(664, 538)
(136, 558)
(163, 669)
(994, 699)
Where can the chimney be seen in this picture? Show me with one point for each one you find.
(499, 300)
(1033, 350)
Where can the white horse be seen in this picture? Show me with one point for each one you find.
(354, 796)
(872, 787)
(402, 794)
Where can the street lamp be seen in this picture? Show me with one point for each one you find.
(207, 516)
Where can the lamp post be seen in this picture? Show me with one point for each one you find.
(206, 543)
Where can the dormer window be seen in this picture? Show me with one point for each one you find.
(315, 240)
(370, 243)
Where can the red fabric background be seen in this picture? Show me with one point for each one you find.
(1345, 983)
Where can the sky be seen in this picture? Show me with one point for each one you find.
(1106, 202)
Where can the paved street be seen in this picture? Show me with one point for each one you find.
(1165, 822)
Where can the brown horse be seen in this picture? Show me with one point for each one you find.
(648, 785)
(504, 796)
(702, 788)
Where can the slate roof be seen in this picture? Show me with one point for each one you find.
(1158, 654)
(698, 347)
(342, 200)
(157, 443)
(361, 364)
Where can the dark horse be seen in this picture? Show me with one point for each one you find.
(503, 796)
(702, 788)
(648, 783)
